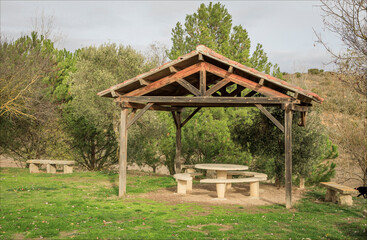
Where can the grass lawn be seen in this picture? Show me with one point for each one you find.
(85, 205)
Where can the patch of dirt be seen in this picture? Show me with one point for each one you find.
(18, 236)
(68, 234)
(206, 194)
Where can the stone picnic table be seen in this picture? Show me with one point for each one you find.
(221, 172)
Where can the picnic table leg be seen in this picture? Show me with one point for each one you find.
(33, 168)
(181, 186)
(254, 189)
(221, 187)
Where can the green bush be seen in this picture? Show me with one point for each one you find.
(298, 75)
(315, 71)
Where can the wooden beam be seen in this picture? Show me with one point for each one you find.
(144, 82)
(172, 69)
(175, 119)
(261, 82)
(189, 87)
(201, 58)
(200, 101)
(140, 113)
(243, 81)
(288, 114)
(190, 116)
(136, 105)
(216, 87)
(132, 114)
(166, 80)
(178, 144)
(271, 117)
(202, 82)
(230, 69)
(123, 152)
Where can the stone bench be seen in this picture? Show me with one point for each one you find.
(254, 184)
(244, 173)
(184, 182)
(338, 193)
(50, 165)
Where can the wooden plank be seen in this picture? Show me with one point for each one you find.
(230, 69)
(271, 117)
(144, 82)
(166, 80)
(216, 87)
(123, 153)
(288, 154)
(175, 119)
(140, 113)
(172, 69)
(190, 116)
(201, 58)
(189, 87)
(243, 81)
(192, 101)
(178, 144)
(203, 82)
(136, 105)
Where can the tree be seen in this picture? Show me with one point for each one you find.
(310, 144)
(93, 121)
(23, 63)
(28, 120)
(211, 25)
(348, 20)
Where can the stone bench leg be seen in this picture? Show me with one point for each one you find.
(189, 185)
(33, 168)
(51, 168)
(254, 189)
(181, 186)
(221, 187)
(68, 169)
(345, 199)
(330, 195)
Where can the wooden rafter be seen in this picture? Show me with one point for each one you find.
(190, 116)
(166, 80)
(243, 81)
(137, 116)
(189, 87)
(216, 87)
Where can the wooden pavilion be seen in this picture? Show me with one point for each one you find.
(204, 78)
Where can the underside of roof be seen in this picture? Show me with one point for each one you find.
(205, 78)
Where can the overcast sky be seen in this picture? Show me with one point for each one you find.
(284, 28)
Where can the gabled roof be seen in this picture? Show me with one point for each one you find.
(181, 77)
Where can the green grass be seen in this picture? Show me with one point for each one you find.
(85, 206)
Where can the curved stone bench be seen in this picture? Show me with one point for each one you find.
(244, 173)
(50, 165)
(254, 184)
(184, 182)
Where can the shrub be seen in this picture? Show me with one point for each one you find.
(298, 75)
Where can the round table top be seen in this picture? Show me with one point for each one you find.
(221, 167)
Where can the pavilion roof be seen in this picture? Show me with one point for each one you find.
(181, 77)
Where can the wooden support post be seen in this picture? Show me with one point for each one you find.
(178, 143)
(123, 152)
(203, 82)
(288, 154)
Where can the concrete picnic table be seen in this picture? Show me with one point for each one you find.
(221, 172)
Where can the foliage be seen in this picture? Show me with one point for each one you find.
(315, 71)
(211, 26)
(322, 172)
(298, 75)
(207, 138)
(347, 19)
(28, 121)
(23, 63)
(86, 206)
(309, 145)
(92, 121)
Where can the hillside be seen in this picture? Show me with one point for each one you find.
(343, 112)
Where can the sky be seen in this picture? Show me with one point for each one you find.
(284, 28)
